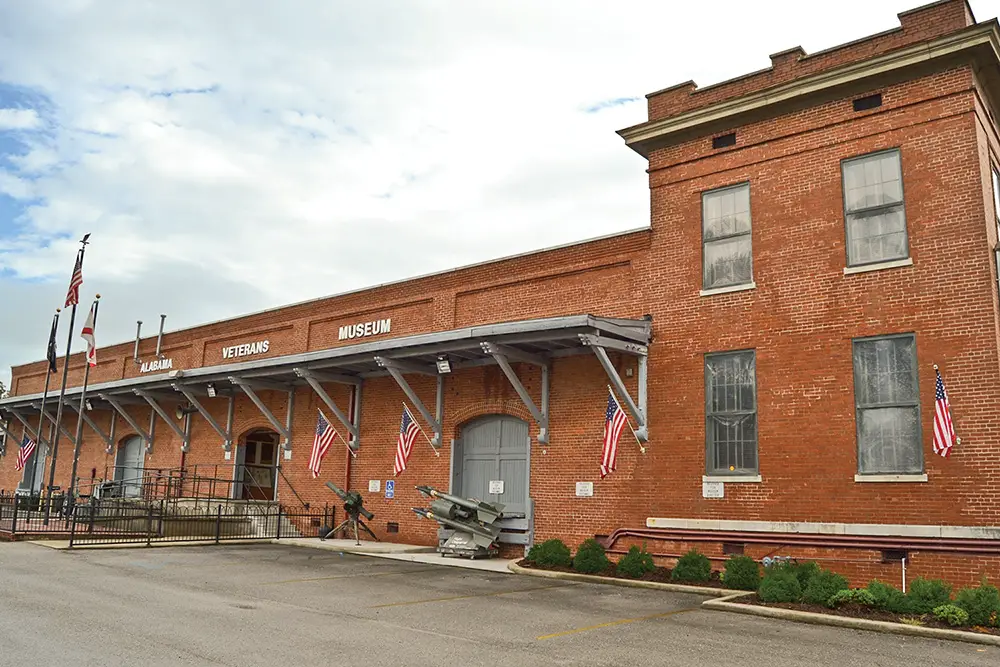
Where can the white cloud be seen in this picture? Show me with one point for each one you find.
(232, 156)
(19, 119)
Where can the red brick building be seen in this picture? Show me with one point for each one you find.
(822, 233)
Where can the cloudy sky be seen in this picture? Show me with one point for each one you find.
(233, 155)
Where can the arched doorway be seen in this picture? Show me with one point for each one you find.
(493, 450)
(129, 465)
(256, 461)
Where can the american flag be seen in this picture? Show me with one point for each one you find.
(408, 430)
(88, 335)
(614, 421)
(23, 454)
(944, 429)
(73, 294)
(325, 433)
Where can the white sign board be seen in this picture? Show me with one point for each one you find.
(156, 365)
(584, 489)
(374, 485)
(496, 487)
(713, 490)
(363, 329)
(246, 349)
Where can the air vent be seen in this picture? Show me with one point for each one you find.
(893, 555)
(732, 549)
(391, 527)
(724, 140)
(868, 102)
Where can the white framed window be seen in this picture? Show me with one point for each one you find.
(887, 405)
(727, 252)
(731, 413)
(873, 208)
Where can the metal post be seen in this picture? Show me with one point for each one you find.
(218, 522)
(40, 445)
(79, 417)
(62, 391)
(278, 529)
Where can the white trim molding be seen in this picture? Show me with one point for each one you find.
(730, 288)
(809, 528)
(891, 478)
(878, 266)
(733, 479)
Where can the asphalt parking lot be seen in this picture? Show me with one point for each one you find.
(281, 606)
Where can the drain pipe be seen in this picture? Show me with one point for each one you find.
(904, 574)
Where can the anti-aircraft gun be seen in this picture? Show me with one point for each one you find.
(475, 523)
(355, 509)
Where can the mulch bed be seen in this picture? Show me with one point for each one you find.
(858, 611)
(660, 575)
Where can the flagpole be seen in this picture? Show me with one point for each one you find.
(436, 452)
(70, 496)
(40, 444)
(62, 390)
(642, 448)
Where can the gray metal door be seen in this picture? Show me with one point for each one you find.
(494, 449)
(129, 466)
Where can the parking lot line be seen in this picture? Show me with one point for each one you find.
(588, 628)
(469, 597)
(349, 576)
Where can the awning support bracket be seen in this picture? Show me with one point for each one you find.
(314, 379)
(600, 346)
(158, 409)
(283, 429)
(396, 369)
(32, 433)
(503, 355)
(147, 436)
(90, 422)
(62, 429)
(225, 434)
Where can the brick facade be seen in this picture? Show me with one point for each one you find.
(800, 318)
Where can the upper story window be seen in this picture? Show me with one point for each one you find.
(727, 255)
(887, 401)
(873, 205)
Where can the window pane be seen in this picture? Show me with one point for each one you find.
(889, 441)
(731, 420)
(734, 441)
(873, 181)
(884, 371)
(726, 212)
(731, 383)
(728, 262)
(877, 237)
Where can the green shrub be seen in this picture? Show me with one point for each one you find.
(780, 585)
(692, 566)
(859, 596)
(802, 571)
(741, 573)
(889, 598)
(926, 594)
(590, 557)
(981, 603)
(636, 563)
(550, 553)
(822, 586)
(951, 615)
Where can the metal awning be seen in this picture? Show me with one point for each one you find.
(536, 342)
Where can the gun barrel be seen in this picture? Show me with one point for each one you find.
(485, 511)
(336, 489)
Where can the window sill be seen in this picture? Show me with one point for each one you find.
(891, 478)
(728, 289)
(865, 268)
(735, 479)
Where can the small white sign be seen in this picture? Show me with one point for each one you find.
(496, 487)
(156, 365)
(257, 347)
(288, 455)
(584, 489)
(374, 485)
(713, 490)
(228, 455)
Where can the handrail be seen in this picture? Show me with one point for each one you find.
(302, 502)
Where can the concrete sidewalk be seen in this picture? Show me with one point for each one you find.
(404, 552)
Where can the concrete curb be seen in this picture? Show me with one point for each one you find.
(628, 583)
(724, 604)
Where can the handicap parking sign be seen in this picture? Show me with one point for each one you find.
(390, 488)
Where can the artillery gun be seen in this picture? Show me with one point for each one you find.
(475, 523)
(354, 506)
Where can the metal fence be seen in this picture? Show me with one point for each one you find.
(138, 521)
